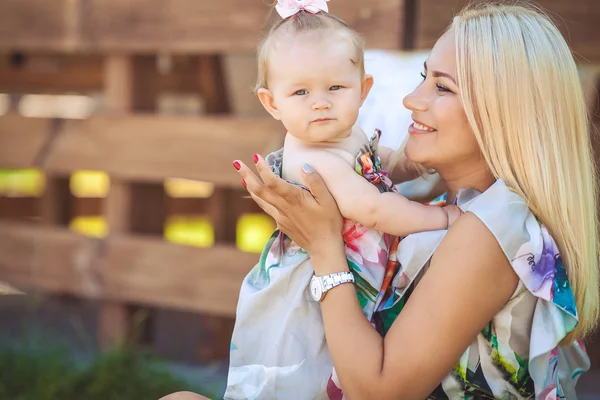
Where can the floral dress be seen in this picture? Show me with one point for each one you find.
(278, 347)
(517, 355)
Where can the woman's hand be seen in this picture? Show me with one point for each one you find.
(309, 218)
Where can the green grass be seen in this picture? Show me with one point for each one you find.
(34, 372)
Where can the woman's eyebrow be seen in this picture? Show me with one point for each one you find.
(439, 74)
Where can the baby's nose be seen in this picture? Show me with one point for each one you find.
(321, 104)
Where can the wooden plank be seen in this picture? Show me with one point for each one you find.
(114, 322)
(57, 201)
(189, 26)
(50, 73)
(19, 208)
(578, 20)
(122, 268)
(22, 149)
(212, 85)
(39, 24)
(144, 148)
(84, 73)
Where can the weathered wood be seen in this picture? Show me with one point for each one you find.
(121, 268)
(144, 148)
(114, 317)
(212, 85)
(578, 20)
(21, 141)
(56, 204)
(39, 24)
(84, 73)
(19, 208)
(174, 25)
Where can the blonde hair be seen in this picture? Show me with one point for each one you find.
(302, 22)
(523, 98)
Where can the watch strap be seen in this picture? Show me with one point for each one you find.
(332, 280)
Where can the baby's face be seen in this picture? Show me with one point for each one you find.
(316, 88)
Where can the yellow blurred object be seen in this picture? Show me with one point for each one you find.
(89, 184)
(190, 230)
(22, 183)
(253, 231)
(176, 187)
(90, 226)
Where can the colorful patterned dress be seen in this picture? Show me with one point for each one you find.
(278, 348)
(516, 356)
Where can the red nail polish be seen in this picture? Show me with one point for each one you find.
(236, 165)
(244, 183)
(256, 159)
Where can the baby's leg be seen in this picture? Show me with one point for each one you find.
(184, 396)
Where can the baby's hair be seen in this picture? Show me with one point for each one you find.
(301, 22)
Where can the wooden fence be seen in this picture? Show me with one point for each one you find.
(111, 46)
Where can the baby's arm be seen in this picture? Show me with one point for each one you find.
(362, 202)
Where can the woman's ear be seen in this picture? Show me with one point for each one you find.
(268, 101)
(365, 88)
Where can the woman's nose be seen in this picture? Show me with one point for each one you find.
(415, 101)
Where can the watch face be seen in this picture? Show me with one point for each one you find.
(315, 289)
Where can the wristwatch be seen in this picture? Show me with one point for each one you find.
(320, 285)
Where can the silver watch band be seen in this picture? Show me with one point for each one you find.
(333, 280)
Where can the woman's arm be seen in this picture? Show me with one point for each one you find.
(469, 280)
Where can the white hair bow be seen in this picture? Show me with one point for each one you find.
(287, 8)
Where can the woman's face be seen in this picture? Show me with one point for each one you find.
(440, 135)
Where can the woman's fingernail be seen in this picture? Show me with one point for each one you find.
(244, 183)
(255, 158)
(236, 165)
(307, 169)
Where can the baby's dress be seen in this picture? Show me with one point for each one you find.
(278, 347)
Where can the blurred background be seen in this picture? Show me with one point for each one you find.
(124, 233)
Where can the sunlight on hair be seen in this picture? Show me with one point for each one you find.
(89, 184)
(253, 231)
(56, 106)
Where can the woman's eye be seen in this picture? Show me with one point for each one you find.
(443, 88)
(301, 92)
(335, 87)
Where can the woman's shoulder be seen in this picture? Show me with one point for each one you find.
(503, 212)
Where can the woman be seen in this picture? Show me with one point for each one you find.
(484, 307)
(495, 306)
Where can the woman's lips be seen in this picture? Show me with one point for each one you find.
(418, 128)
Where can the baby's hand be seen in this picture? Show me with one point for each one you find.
(453, 212)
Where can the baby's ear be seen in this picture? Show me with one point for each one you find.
(268, 101)
(366, 86)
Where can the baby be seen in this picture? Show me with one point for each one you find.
(312, 78)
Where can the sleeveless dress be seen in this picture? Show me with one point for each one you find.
(516, 356)
(278, 348)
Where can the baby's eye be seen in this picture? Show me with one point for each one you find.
(301, 92)
(335, 87)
